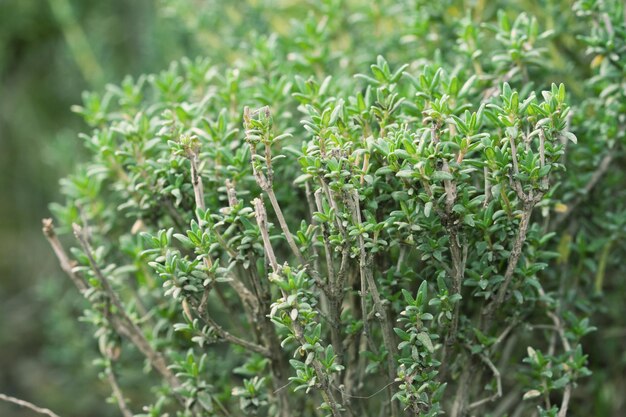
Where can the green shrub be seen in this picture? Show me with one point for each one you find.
(280, 237)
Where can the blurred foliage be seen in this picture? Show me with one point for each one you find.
(53, 50)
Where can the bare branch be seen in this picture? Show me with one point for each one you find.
(229, 337)
(261, 218)
(118, 394)
(125, 324)
(59, 251)
(496, 375)
(28, 405)
(368, 277)
(198, 189)
(515, 254)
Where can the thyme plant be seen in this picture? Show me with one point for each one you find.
(301, 234)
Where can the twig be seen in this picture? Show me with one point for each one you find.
(265, 181)
(278, 362)
(261, 218)
(516, 252)
(565, 402)
(487, 187)
(323, 382)
(59, 251)
(496, 374)
(323, 379)
(28, 405)
(247, 298)
(229, 337)
(126, 325)
(198, 189)
(460, 398)
(568, 348)
(381, 313)
(117, 393)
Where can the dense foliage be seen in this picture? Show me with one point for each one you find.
(316, 229)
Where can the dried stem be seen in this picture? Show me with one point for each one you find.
(250, 303)
(261, 216)
(336, 283)
(498, 378)
(558, 324)
(252, 347)
(515, 254)
(118, 394)
(59, 251)
(460, 398)
(198, 189)
(266, 180)
(283, 225)
(367, 277)
(28, 405)
(125, 325)
(278, 361)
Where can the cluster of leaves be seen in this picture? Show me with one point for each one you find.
(406, 263)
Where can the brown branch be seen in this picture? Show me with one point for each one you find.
(59, 251)
(368, 277)
(28, 405)
(265, 180)
(198, 189)
(545, 181)
(336, 284)
(457, 253)
(246, 297)
(568, 348)
(515, 254)
(261, 218)
(125, 324)
(117, 393)
(487, 187)
(460, 398)
(496, 375)
(229, 337)
(278, 361)
(515, 183)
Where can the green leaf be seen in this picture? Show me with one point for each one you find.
(441, 175)
(427, 208)
(424, 339)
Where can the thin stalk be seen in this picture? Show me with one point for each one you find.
(117, 393)
(324, 383)
(128, 326)
(516, 253)
(28, 405)
(367, 278)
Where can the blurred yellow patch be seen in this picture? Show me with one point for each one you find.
(560, 208)
(597, 61)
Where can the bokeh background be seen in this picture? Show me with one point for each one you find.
(53, 50)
